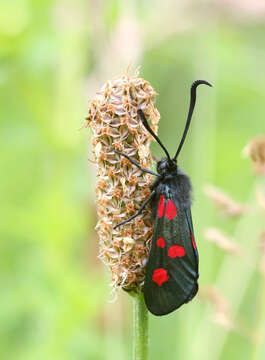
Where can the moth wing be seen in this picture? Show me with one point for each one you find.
(189, 220)
(172, 269)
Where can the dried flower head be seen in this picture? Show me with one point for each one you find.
(121, 186)
(215, 236)
(256, 150)
(221, 315)
(223, 202)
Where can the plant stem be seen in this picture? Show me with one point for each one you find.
(259, 328)
(140, 328)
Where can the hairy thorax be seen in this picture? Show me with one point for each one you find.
(174, 183)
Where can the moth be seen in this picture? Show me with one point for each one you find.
(172, 270)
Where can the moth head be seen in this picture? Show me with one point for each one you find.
(165, 166)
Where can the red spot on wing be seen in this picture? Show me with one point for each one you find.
(171, 210)
(160, 276)
(161, 207)
(193, 241)
(161, 242)
(176, 251)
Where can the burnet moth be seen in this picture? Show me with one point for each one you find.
(172, 268)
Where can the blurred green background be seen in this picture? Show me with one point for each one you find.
(54, 55)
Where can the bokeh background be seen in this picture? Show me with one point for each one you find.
(55, 300)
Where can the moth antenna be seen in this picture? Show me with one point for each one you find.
(192, 105)
(146, 125)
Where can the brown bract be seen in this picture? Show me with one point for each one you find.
(121, 186)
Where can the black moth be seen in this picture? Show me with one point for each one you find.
(172, 268)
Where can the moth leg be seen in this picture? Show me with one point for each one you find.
(138, 212)
(136, 164)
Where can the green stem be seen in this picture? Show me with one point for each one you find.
(140, 328)
(260, 327)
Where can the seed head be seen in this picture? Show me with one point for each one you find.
(221, 315)
(256, 151)
(225, 203)
(215, 236)
(121, 186)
